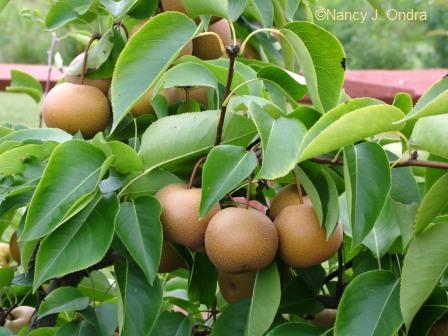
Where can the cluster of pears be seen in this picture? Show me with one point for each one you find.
(240, 241)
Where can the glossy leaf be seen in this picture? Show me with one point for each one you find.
(22, 82)
(76, 328)
(265, 301)
(190, 135)
(236, 8)
(348, 123)
(435, 200)
(38, 134)
(232, 320)
(12, 161)
(433, 102)
(298, 298)
(171, 323)
(295, 328)
(370, 306)
(203, 280)
(281, 139)
(292, 83)
(430, 135)
(367, 184)
(72, 173)
(66, 11)
(141, 302)
(149, 184)
(206, 7)
(262, 11)
(118, 8)
(424, 264)
(63, 299)
(75, 245)
(146, 56)
(140, 230)
(226, 167)
(323, 71)
(189, 74)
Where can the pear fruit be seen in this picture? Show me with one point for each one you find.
(325, 319)
(5, 255)
(250, 51)
(177, 6)
(236, 287)
(14, 248)
(200, 94)
(180, 215)
(170, 260)
(101, 84)
(144, 106)
(19, 318)
(287, 196)
(303, 243)
(240, 240)
(207, 47)
(440, 328)
(74, 107)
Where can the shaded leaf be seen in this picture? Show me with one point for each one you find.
(232, 320)
(63, 299)
(171, 323)
(22, 82)
(295, 328)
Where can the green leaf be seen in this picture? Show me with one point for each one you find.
(232, 321)
(225, 168)
(265, 301)
(126, 160)
(206, 7)
(434, 202)
(203, 280)
(75, 245)
(118, 8)
(171, 323)
(140, 231)
(12, 161)
(295, 328)
(151, 183)
(430, 135)
(66, 11)
(262, 11)
(281, 139)
(424, 264)
(6, 276)
(298, 298)
(63, 299)
(236, 8)
(107, 315)
(77, 328)
(38, 134)
(146, 56)
(73, 172)
(190, 135)
(367, 184)
(349, 123)
(141, 302)
(22, 82)
(370, 306)
(189, 74)
(323, 71)
(3, 4)
(433, 102)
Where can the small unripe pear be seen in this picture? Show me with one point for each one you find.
(5, 255)
(207, 47)
(73, 108)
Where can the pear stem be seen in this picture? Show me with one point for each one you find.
(95, 36)
(249, 184)
(299, 188)
(120, 25)
(194, 172)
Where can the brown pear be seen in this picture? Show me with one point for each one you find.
(287, 196)
(207, 47)
(180, 215)
(236, 287)
(199, 94)
(241, 240)
(14, 248)
(5, 255)
(303, 243)
(73, 108)
(250, 51)
(177, 6)
(171, 260)
(19, 318)
(325, 319)
(101, 84)
(144, 106)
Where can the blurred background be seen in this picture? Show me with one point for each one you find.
(370, 45)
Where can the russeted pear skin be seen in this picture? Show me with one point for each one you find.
(236, 287)
(287, 196)
(170, 260)
(302, 242)
(101, 84)
(14, 248)
(207, 47)
(180, 215)
(73, 108)
(240, 240)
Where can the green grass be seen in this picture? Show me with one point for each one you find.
(18, 109)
